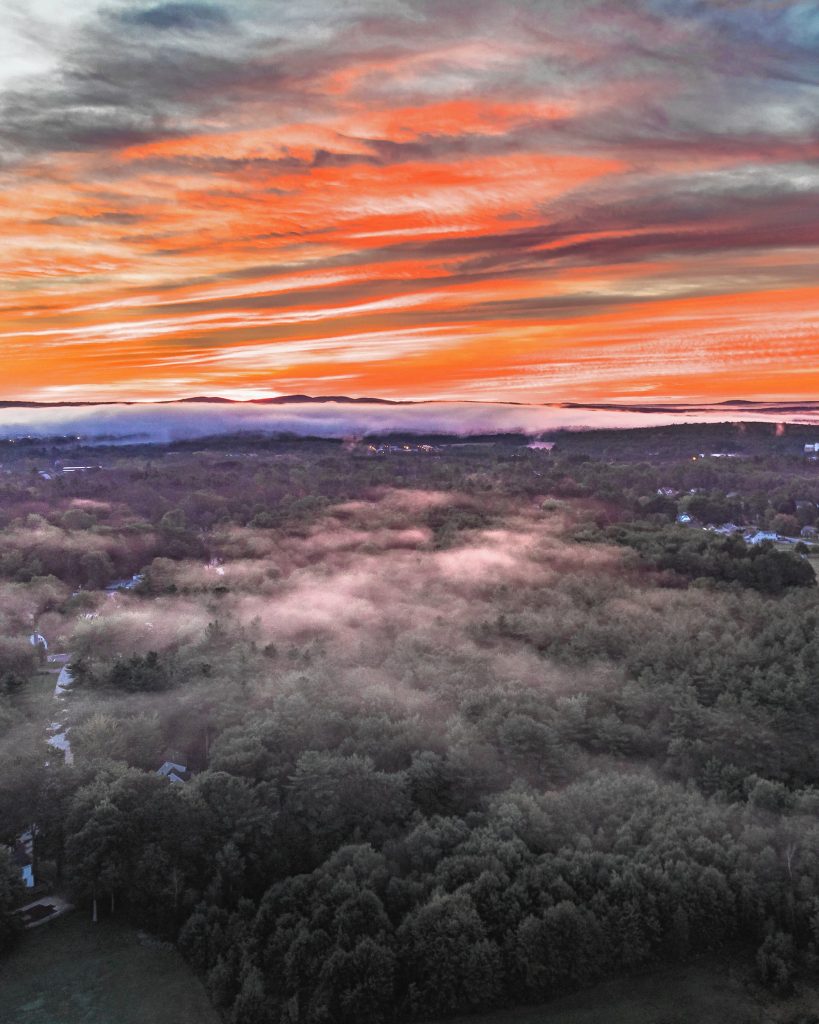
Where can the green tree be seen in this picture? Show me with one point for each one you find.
(775, 962)
(11, 896)
(451, 965)
(95, 854)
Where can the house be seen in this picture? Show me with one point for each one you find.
(398, 449)
(38, 640)
(127, 584)
(684, 519)
(58, 659)
(174, 772)
(541, 446)
(760, 536)
(728, 529)
(667, 492)
(809, 531)
(810, 449)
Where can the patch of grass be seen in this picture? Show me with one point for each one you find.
(697, 993)
(75, 972)
(39, 693)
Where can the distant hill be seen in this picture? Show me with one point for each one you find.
(785, 407)
(286, 400)
(212, 400)
(342, 399)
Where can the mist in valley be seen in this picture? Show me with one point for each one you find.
(494, 686)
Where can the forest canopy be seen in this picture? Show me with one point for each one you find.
(450, 730)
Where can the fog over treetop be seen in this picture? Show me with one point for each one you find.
(163, 423)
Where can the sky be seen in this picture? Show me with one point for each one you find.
(483, 200)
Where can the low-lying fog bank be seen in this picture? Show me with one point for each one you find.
(163, 423)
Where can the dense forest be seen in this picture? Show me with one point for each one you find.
(456, 727)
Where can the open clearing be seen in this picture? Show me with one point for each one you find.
(74, 972)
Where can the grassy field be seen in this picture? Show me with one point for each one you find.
(40, 690)
(693, 994)
(73, 972)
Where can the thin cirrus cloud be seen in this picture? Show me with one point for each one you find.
(501, 199)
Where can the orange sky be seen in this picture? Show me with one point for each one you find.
(485, 201)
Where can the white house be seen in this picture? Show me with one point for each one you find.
(760, 535)
(127, 584)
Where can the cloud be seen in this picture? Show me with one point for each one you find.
(147, 70)
(187, 17)
(112, 217)
(417, 171)
(120, 83)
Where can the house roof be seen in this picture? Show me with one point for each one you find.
(173, 771)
